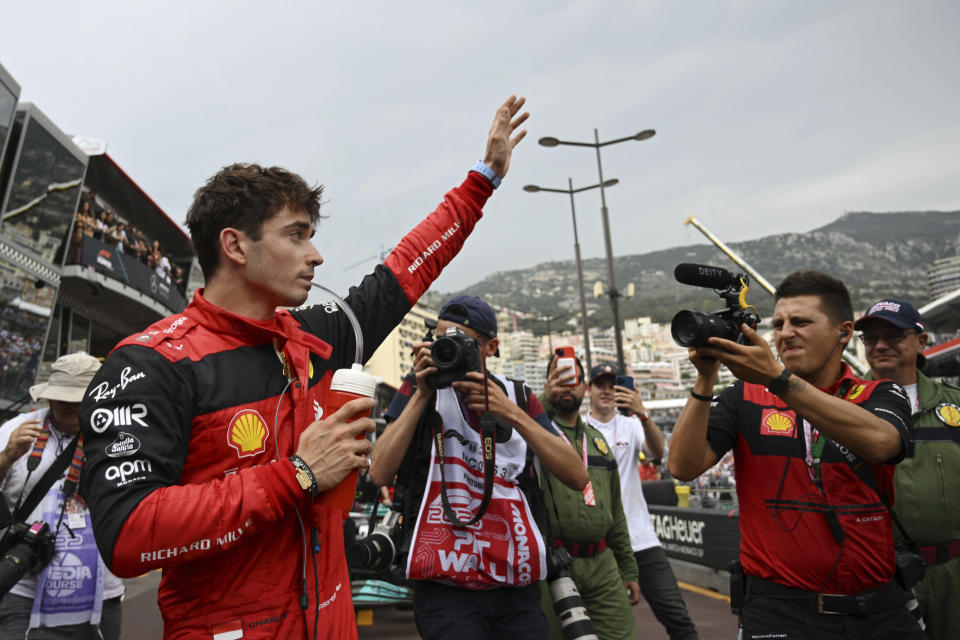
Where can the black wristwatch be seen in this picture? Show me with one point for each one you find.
(778, 385)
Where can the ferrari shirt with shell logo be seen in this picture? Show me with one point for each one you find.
(785, 517)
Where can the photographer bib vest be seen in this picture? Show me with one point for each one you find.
(504, 548)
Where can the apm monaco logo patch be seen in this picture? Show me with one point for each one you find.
(856, 391)
(949, 414)
(777, 423)
(247, 433)
(601, 445)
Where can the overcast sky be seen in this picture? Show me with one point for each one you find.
(771, 117)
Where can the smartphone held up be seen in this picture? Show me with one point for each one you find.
(567, 365)
(626, 382)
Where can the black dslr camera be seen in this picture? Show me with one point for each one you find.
(693, 328)
(25, 547)
(575, 622)
(454, 354)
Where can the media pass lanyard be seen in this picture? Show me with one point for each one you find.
(588, 498)
(815, 441)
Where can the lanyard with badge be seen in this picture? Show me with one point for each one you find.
(588, 498)
(815, 441)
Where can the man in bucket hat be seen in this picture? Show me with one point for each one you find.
(43, 605)
(894, 339)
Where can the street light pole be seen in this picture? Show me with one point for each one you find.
(614, 293)
(532, 188)
(583, 299)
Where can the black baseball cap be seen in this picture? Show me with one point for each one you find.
(602, 370)
(897, 312)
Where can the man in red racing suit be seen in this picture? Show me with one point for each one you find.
(200, 430)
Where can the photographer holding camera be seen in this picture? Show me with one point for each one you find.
(894, 339)
(814, 450)
(74, 596)
(590, 524)
(459, 445)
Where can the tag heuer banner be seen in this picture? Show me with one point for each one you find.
(710, 537)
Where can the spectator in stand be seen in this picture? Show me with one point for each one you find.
(628, 436)
(179, 279)
(76, 241)
(102, 225)
(156, 255)
(140, 244)
(926, 485)
(89, 224)
(114, 235)
(130, 246)
(165, 265)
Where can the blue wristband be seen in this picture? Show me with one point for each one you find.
(487, 173)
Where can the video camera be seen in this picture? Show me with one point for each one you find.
(693, 328)
(454, 354)
(25, 547)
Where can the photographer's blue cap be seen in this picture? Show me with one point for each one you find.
(897, 312)
(602, 370)
(473, 312)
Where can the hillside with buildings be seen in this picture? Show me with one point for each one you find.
(876, 254)
(906, 255)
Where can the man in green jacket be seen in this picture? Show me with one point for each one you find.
(589, 523)
(926, 485)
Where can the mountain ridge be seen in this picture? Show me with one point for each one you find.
(875, 254)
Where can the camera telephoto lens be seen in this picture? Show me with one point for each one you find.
(374, 552)
(14, 565)
(25, 547)
(575, 622)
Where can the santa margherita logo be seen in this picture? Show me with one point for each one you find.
(777, 423)
(247, 433)
(949, 414)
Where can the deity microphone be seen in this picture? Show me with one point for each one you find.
(702, 275)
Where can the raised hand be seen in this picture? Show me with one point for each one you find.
(504, 135)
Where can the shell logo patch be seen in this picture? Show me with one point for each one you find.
(601, 445)
(856, 391)
(777, 423)
(949, 414)
(247, 433)
(310, 369)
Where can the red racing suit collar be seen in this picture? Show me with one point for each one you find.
(282, 327)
